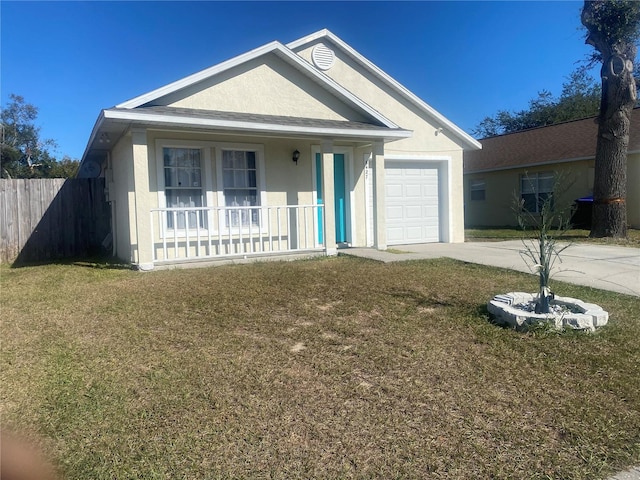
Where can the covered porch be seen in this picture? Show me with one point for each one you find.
(321, 190)
(336, 210)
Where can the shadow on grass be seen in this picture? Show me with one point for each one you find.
(97, 261)
(420, 300)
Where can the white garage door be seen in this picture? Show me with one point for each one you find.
(411, 202)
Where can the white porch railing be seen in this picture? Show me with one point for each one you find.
(216, 232)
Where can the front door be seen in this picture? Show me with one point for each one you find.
(340, 198)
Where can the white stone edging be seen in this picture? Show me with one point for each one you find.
(581, 316)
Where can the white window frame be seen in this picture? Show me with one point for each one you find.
(213, 190)
(206, 183)
(260, 184)
(534, 179)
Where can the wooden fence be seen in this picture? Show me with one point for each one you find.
(53, 218)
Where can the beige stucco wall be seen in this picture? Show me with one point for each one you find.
(427, 140)
(501, 187)
(120, 193)
(285, 182)
(267, 86)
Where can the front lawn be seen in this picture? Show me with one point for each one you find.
(327, 368)
(575, 235)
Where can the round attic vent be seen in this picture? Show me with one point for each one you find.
(322, 56)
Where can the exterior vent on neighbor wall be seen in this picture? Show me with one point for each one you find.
(322, 56)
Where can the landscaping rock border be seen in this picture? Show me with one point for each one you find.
(572, 312)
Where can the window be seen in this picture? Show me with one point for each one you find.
(183, 186)
(240, 187)
(535, 189)
(477, 189)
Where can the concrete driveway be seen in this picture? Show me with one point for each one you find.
(599, 266)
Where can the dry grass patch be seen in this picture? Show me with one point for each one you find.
(575, 235)
(328, 368)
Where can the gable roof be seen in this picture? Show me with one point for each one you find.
(563, 142)
(284, 54)
(390, 81)
(116, 120)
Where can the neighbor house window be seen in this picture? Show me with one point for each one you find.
(183, 187)
(477, 189)
(535, 188)
(240, 187)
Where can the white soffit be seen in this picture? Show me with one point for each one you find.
(321, 34)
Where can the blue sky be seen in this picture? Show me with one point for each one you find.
(465, 59)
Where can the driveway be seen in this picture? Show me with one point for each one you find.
(599, 266)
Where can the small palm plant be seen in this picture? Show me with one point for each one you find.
(551, 221)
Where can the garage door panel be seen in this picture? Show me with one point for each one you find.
(394, 235)
(395, 212)
(430, 211)
(414, 191)
(414, 234)
(411, 202)
(394, 190)
(413, 212)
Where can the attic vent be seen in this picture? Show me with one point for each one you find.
(322, 56)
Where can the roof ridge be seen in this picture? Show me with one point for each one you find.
(564, 122)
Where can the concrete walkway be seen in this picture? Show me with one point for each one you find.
(599, 266)
(631, 474)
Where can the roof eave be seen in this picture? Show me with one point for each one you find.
(94, 134)
(137, 117)
(529, 165)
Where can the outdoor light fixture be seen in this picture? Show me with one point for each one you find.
(104, 138)
(296, 156)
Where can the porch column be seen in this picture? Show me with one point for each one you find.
(379, 223)
(330, 246)
(141, 236)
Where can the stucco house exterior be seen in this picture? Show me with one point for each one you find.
(304, 147)
(524, 164)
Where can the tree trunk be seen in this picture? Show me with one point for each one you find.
(618, 99)
(610, 176)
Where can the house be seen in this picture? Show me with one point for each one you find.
(524, 164)
(298, 148)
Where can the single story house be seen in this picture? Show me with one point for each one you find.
(297, 148)
(524, 164)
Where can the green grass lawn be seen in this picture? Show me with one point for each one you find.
(575, 235)
(329, 368)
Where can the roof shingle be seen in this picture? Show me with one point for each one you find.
(567, 141)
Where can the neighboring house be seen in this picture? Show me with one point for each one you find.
(524, 165)
(305, 147)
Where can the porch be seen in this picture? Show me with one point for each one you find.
(216, 233)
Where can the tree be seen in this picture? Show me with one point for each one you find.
(23, 154)
(580, 98)
(552, 221)
(65, 168)
(613, 30)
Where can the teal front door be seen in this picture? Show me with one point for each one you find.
(340, 199)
